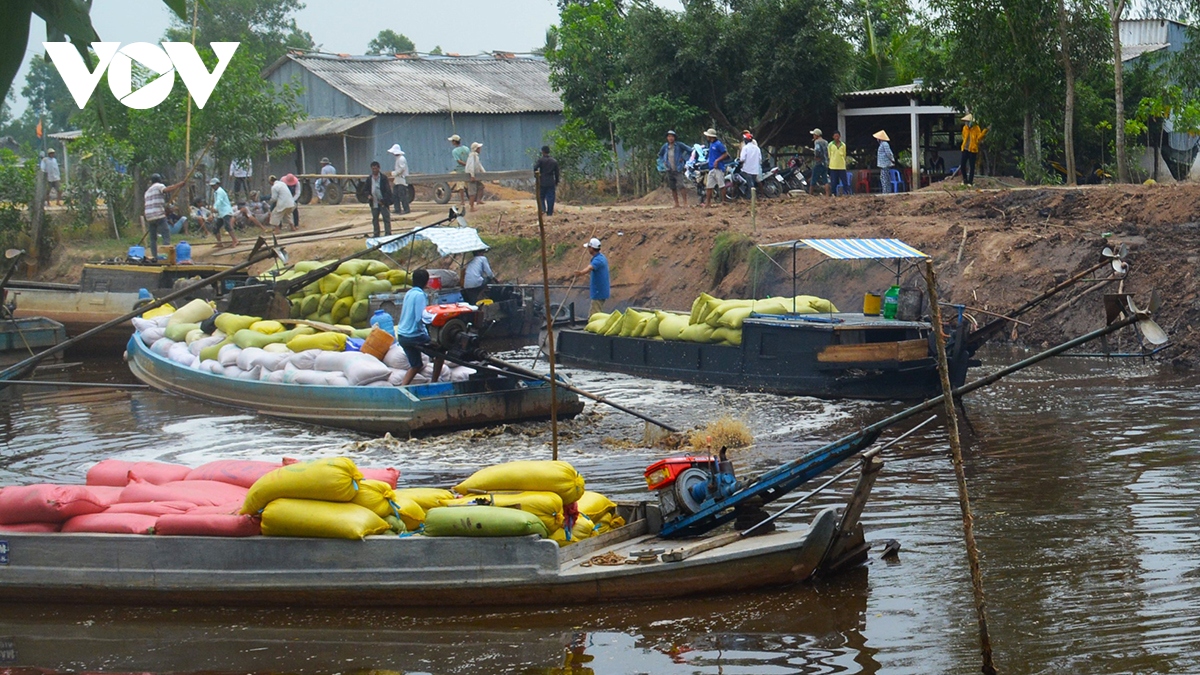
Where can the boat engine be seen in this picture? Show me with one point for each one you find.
(685, 484)
(452, 328)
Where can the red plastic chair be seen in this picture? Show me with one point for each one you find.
(863, 182)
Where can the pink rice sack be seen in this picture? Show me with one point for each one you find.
(151, 508)
(229, 509)
(112, 523)
(30, 527)
(45, 503)
(198, 492)
(208, 525)
(232, 471)
(114, 472)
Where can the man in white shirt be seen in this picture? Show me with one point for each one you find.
(751, 157)
(400, 195)
(49, 166)
(327, 169)
(240, 170)
(477, 275)
(282, 203)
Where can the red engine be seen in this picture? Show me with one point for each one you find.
(444, 313)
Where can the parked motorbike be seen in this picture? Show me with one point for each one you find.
(792, 177)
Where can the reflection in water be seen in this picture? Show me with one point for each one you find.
(1083, 475)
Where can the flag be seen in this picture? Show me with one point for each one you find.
(39, 128)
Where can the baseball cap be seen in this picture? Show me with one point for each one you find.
(455, 137)
(593, 243)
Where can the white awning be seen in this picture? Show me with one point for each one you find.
(855, 249)
(449, 240)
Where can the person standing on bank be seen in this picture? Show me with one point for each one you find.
(820, 171)
(49, 166)
(751, 157)
(400, 194)
(411, 332)
(972, 136)
(156, 212)
(718, 159)
(282, 203)
(241, 171)
(460, 154)
(475, 173)
(885, 160)
(672, 157)
(837, 164)
(547, 168)
(222, 213)
(598, 269)
(327, 169)
(379, 195)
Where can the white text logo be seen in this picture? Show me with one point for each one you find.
(172, 57)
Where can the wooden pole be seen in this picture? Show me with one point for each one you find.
(549, 324)
(616, 158)
(187, 136)
(964, 499)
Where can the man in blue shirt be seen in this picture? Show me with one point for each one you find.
(598, 268)
(718, 159)
(222, 213)
(411, 332)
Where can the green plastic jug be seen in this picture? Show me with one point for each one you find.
(891, 300)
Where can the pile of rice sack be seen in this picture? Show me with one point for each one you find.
(249, 348)
(712, 321)
(329, 498)
(342, 296)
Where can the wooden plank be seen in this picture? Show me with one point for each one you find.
(905, 350)
(685, 552)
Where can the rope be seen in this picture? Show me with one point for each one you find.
(609, 559)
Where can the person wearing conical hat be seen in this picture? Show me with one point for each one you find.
(885, 160)
(972, 136)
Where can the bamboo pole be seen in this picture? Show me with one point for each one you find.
(964, 499)
(549, 324)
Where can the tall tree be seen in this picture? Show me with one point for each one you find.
(1115, 9)
(47, 97)
(390, 42)
(1081, 31)
(264, 27)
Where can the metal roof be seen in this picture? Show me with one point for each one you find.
(319, 126)
(449, 240)
(500, 83)
(898, 90)
(1131, 52)
(856, 249)
(67, 135)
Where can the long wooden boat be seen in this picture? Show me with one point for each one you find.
(840, 355)
(105, 292)
(487, 399)
(36, 333)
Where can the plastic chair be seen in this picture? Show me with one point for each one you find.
(863, 184)
(896, 180)
(843, 187)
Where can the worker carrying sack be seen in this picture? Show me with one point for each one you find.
(537, 475)
(334, 480)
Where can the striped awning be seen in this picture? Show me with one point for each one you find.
(856, 249)
(449, 240)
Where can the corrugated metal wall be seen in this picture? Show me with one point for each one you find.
(318, 98)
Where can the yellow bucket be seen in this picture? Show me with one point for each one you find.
(872, 304)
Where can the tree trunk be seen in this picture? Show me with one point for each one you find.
(1030, 154)
(1069, 108)
(1115, 8)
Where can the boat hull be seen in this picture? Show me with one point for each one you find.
(79, 312)
(395, 410)
(36, 333)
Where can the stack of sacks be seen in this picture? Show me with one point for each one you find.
(249, 348)
(318, 498)
(46, 508)
(712, 320)
(513, 499)
(342, 296)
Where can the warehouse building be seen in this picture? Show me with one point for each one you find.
(358, 106)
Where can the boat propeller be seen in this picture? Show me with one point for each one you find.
(1122, 304)
(1118, 258)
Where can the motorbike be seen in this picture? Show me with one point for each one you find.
(736, 185)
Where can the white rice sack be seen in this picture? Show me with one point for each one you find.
(269, 361)
(153, 334)
(179, 354)
(331, 361)
(396, 379)
(162, 347)
(195, 364)
(304, 377)
(141, 325)
(305, 360)
(461, 373)
(212, 366)
(245, 359)
(366, 371)
(395, 358)
(232, 371)
(162, 321)
(337, 380)
(276, 377)
(252, 374)
(444, 376)
(277, 348)
(264, 375)
(199, 345)
(378, 383)
(228, 355)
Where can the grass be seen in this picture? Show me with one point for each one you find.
(728, 250)
(725, 432)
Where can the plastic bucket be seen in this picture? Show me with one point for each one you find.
(137, 252)
(377, 343)
(872, 303)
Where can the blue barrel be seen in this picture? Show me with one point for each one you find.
(183, 252)
(137, 251)
(384, 321)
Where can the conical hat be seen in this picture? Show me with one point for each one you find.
(881, 135)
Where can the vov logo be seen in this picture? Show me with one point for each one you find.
(172, 57)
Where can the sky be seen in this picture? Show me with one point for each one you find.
(346, 26)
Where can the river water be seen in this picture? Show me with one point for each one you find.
(1083, 475)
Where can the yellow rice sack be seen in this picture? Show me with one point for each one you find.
(330, 282)
(596, 322)
(377, 496)
(730, 336)
(341, 309)
(426, 498)
(396, 277)
(733, 318)
(194, 312)
(594, 505)
(162, 310)
(288, 517)
(608, 523)
(194, 335)
(818, 304)
(310, 304)
(482, 521)
(306, 266)
(376, 267)
(334, 480)
(647, 327)
(700, 332)
(582, 529)
(251, 338)
(179, 331)
(352, 267)
(266, 327)
(346, 288)
(325, 306)
(365, 287)
(533, 475)
(547, 506)
(210, 352)
(330, 342)
(232, 323)
(360, 311)
(671, 325)
(613, 325)
(629, 322)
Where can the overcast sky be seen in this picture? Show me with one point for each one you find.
(463, 26)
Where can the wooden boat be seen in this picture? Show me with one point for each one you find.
(487, 399)
(21, 335)
(629, 563)
(105, 292)
(840, 355)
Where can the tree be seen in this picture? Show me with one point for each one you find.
(390, 42)
(1080, 28)
(1115, 9)
(48, 98)
(436, 51)
(586, 55)
(264, 27)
